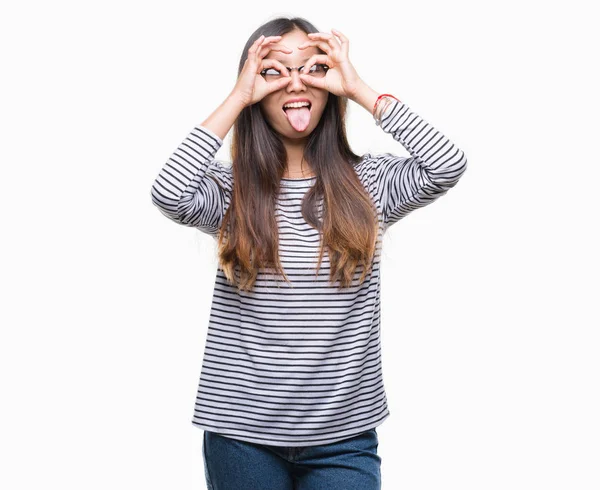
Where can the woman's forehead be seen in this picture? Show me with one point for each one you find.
(298, 56)
(290, 61)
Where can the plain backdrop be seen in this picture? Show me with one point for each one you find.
(490, 323)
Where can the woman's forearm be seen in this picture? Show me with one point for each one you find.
(223, 117)
(366, 97)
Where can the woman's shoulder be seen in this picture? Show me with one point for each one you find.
(366, 163)
(367, 159)
(364, 168)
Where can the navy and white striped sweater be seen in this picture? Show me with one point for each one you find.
(300, 364)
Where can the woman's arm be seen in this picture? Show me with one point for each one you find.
(403, 184)
(193, 188)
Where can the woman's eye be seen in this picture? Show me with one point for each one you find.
(317, 68)
(271, 71)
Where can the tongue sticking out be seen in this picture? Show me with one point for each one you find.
(298, 118)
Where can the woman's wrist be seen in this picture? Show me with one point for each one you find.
(382, 104)
(365, 96)
(373, 101)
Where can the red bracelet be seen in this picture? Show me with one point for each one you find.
(379, 98)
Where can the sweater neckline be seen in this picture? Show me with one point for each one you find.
(297, 182)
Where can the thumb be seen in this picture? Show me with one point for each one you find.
(311, 81)
(283, 82)
(277, 85)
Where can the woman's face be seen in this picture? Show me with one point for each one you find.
(292, 124)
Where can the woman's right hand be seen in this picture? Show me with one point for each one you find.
(251, 86)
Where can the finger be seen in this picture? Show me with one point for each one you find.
(322, 45)
(254, 53)
(282, 48)
(269, 39)
(266, 47)
(339, 34)
(312, 81)
(271, 63)
(330, 39)
(255, 44)
(343, 40)
(273, 86)
(315, 59)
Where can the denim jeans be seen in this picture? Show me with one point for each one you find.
(350, 464)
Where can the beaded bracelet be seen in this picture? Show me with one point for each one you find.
(379, 108)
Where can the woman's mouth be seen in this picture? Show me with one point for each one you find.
(298, 117)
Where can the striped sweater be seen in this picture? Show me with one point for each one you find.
(300, 364)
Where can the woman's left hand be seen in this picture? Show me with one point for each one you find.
(341, 78)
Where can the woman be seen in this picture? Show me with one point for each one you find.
(291, 387)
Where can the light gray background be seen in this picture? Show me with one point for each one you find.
(489, 295)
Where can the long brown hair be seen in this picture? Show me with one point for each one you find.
(248, 238)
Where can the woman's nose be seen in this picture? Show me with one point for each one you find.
(296, 80)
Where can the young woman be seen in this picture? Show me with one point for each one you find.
(291, 388)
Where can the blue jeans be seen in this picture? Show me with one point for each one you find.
(350, 464)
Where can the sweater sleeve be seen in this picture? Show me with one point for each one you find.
(193, 189)
(403, 184)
